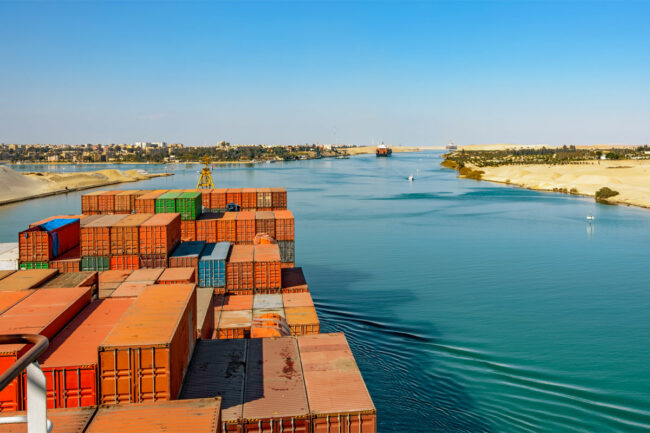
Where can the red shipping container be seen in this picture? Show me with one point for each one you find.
(44, 312)
(125, 262)
(279, 198)
(95, 239)
(239, 269)
(146, 203)
(227, 227)
(68, 262)
(264, 199)
(245, 227)
(47, 241)
(70, 362)
(188, 231)
(106, 202)
(206, 227)
(205, 197)
(284, 225)
(177, 276)
(160, 233)
(249, 199)
(268, 272)
(265, 223)
(218, 199)
(153, 261)
(233, 195)
(293, 281)
(125, 235)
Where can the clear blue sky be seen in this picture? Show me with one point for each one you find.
(411, 73)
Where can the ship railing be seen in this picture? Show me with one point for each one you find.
(36, 417)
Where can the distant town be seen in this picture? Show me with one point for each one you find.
(161, 152)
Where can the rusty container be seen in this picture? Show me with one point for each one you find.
(206, 227)
(302, 320)
(48, 240)
(152, 261)
(234, 324)
(205, 197)
(95, 237)
(245, 227)
(237, 302)
(249, 199)
(233, 195)
(293, 281)
(297, 300)
(180, 416)
(128, 290)
(227, 227)
(273, 375)
(265, 223)
(146, 203)
(239, 268)
(73, 420)
(264, 199)
(125, 234)
(218, 369)
(70, 361)
(188, 231)
(90, 202)
(125, 262)
(178, 276)
(204, 312)
(106, 202)
(145, 356)
(149, 276)
(287, 251)
(9, 299)
(268, 272)
(186, 255)
(279, 198)
(284, 225)
(68, 262)
(44, 312)
(27, 279)
(338, 397)
(160, 233)
(218, 200)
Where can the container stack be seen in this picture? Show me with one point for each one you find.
(44, 242)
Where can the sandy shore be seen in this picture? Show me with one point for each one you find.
(372, 149)
(16, 186)
(631, 178)
(511, 146)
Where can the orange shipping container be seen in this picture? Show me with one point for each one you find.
(234, 324)
(264, 199)
(72, 279)
(68, 262)
(268, 272)
(206, 227)
(125, 235)
(297, 300)
(233, 195)
(9, 299)
(218, 199)
(205, 197)
(239, 268)
(90, 202)
(302, 320)
(125, 201)
(63, 420)
(181, 416)
(245, 227)
(145, 356)
(124, 262)
(148, 276)
(27, 279)
(44, 312)
(160, 233)
(249, 199)
(338, 397)
(279, 198)
(265, 223)
(227, 227)
(129, 290)
(237, 302)
(95, 238)
(146, 203)
(70, 361)
(188, 230)
(204, 313)
(153, 261)
(284, 225)
(5, 273)
(106, 202)
(177, 276)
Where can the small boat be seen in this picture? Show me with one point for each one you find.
(590, 217)
(411, 178)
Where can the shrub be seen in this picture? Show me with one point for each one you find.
(604, 193)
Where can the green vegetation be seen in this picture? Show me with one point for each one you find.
(604, 193)
(470, 173)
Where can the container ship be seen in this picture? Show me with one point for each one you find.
(383, 150)
(162, 311)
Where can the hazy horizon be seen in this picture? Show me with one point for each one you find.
(406, 73)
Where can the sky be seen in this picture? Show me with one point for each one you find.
(413, 73)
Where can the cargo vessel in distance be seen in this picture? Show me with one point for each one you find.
(383, 150)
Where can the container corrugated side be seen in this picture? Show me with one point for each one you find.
(69, 261)
(95, 237)
(284, 225)
(160, 233)
(302, 320)
(145, 356)
(70, 361)
(338, 397)
(279, 198)
(227, 227)
(188, 204)
(180, 416)
(44, 312)
(147, 203)
(125, 234)
(268, 272)
(233, 195)
(234, 324)
(264, 199)
(218, 200)
(206, 227)
(249, 198)
(188, 231)
(166, 203)
(212, 265)
(245, 227)
(265, 223)
(274, 375)
(239, 269)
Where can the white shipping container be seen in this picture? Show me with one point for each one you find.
(9, 256)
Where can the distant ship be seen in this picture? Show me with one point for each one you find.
(452, 146)
(383, 150)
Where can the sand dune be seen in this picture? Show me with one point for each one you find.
(631, 178)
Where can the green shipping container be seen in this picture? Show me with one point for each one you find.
(189, 205)
(95, 263)
(166, 203)
(35, 265)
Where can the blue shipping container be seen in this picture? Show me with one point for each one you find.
(212, 264)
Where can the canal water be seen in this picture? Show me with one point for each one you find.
(470, 306)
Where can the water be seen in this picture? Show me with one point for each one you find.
(469, 306)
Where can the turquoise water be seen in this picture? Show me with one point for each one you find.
(470, 306)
